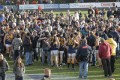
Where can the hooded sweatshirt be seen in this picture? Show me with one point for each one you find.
(105, 50)
(113, 45)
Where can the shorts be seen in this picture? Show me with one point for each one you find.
(61, 52)
(54, 52)
(8, 45)
(72, 55)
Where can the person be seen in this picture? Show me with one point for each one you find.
(46, 47)
(2, 34)
(34, 44)
(4, 66)
(40, 1)
(83, 53)
(61, 49)
(97, 43)
(113, 45)
(17, 43)
(71, 51)
(7, 2)
(27, 44)
(47, 74)
(19, 69)
(91, 42)
(54, 43)
(105, 54)
(109, 13)
(8, 43)
(116, 37)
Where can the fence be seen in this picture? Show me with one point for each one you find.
(65, 6)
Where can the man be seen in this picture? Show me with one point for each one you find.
(113, 45)
(34, 44)
(91, 42)
(46, 47)
(105, 54)
(27, 44)
(17, 43)
(82, 54)
(3, 67)
(109, 13)
(8, 2)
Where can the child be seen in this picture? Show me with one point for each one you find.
(47, 74)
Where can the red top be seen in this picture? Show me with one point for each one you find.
(105, 50)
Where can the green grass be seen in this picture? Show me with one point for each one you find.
(94, 72)
(73, 11)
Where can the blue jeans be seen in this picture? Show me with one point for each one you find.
(118, 49)
(2, 76)
(28, 58)
(83, 69)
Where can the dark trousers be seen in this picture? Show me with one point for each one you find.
(93, 57)
(107, 67)
(16, 54)
(18, 78)
(35, 54)
(2, 76)
(65, 56)
(113, 63)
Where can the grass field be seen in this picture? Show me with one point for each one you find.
(94, 72)
(73, 11)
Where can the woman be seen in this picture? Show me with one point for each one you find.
(71, 51)
(8, 43)
(19, 69)
(54, 49)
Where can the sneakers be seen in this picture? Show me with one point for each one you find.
(82, 77)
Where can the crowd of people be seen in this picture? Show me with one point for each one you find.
(61, 39)
(18, 2)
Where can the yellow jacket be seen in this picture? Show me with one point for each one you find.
(113, 45)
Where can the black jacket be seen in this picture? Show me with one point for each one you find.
(91, 40)
(3, 66)
(27, 44)
(34, 41)
(83, 52)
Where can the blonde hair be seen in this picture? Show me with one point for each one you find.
(47, 71)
